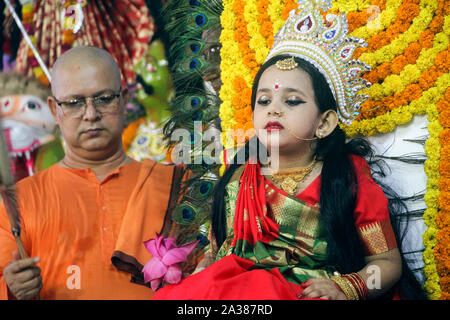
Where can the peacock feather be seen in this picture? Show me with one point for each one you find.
(188, 25)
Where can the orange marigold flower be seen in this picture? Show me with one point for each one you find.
(426, 79)
(444, 167)
(437, 23)
(372, 76)
(447, 94)
(239, 84)
(383, 70)
(412, 52)
(378, 41)
(445, 137)
(236, 101)
(356, 20)
(389, 102)
(247, 95)
(407, 12)
(426, 39)
(412, 91)
(248, 127)
(442, 105)
(398, 64)
(443, 220)
(442, 61)
(400, 99)
(288, 6)
(242, 115)
(445, 156)
(444, 117)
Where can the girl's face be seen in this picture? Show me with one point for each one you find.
(285, 105)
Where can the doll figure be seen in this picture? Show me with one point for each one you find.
(28, 125)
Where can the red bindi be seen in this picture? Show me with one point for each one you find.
(276, 85)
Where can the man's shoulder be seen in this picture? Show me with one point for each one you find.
(44, 176)
(164, 175)
(161, 167)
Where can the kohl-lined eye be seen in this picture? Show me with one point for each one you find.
(264, 101)
(294, 102)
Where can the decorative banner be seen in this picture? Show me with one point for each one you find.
(124, 29)
(408, 51)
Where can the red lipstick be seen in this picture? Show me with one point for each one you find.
(273, 125)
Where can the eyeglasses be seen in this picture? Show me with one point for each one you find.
(103, 104)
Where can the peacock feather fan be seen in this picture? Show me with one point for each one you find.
(192, 133)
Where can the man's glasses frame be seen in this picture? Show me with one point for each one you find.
(76, 107)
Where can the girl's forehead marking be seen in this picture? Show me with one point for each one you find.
(276, 85)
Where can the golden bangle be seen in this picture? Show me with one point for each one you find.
(359, 284)
(346, 286)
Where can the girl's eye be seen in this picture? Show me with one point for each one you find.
(263, 101)
(294, 102)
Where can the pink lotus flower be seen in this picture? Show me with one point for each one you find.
(163, 266)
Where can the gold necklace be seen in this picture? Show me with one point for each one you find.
(289, 178)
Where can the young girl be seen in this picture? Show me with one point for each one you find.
(279, 240)
(318, 227)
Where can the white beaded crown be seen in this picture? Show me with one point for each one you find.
(325, 45)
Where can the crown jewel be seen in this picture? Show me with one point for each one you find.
(325, 45)
(287, 64)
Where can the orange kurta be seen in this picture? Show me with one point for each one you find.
(75, 223)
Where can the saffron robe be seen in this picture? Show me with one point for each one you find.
(89, 233)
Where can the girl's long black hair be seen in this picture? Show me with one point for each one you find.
(338, 189)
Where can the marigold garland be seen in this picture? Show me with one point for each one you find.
(265, 22)
(406, 87)
(275, 11)
(399, 44)
(435, 239)
(382, 20)
(442, 247)
(367, 12)
(407, 11)
(413, 50)
(258, 41)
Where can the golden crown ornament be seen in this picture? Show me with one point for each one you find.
(324, 43)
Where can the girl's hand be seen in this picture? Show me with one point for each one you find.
(322, 289)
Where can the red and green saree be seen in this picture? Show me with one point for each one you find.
(275, 242)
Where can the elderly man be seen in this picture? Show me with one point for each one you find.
(85, 218)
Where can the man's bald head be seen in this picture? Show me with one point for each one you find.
(82, 57)
(85, 73)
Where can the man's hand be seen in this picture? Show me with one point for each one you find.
(23, 277)
(322, 289)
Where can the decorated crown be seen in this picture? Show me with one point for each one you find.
(325, 44)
